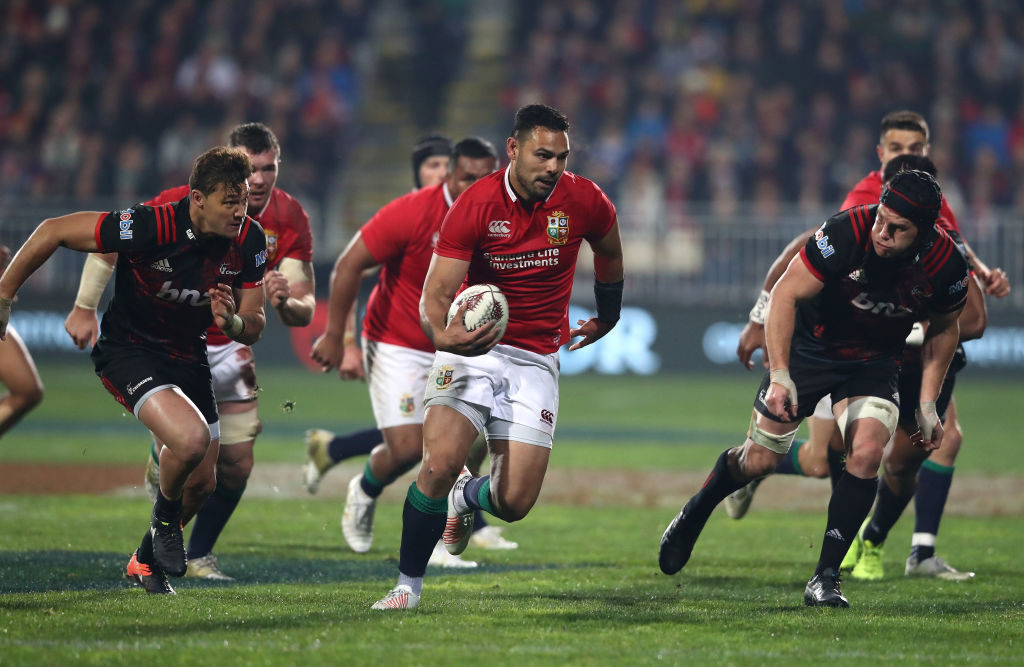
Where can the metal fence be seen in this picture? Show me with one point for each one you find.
(702, 258)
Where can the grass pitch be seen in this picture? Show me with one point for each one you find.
(583, 588)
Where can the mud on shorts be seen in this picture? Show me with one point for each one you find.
(233, 369)
(815, 378)
(395, 376)
(509, 393)
(132, 374)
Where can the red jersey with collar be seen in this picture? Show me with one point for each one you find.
(401, 237)
(529, 252)
(869, 190)
(164, 271)
(285, 224)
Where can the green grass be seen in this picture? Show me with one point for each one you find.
(583, 588)
(610, 422)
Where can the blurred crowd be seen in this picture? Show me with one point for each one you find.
(101, 98)
(730, 106)
(743, 105)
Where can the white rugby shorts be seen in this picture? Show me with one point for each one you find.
(234, 372)
(509, 393)
(395, 376)
(823, 410)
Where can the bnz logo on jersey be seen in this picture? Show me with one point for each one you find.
(558, 228)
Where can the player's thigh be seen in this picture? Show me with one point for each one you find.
(517, 475)
(176, 422)
(768, 441)
(17, 370)
(953, 435)
(902, 456)
(448, 434)
(396, 377)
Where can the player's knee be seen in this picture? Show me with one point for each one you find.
(865, 457)
(952, 438)
(234, 474)
(23, 402)
(191, 443)
(816, 468)
(755, 461)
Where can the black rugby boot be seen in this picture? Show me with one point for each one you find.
(678, 540)
(168, 546)
(823, 590)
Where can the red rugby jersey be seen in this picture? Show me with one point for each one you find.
(285, 224)
(530, 253)
(401, 237)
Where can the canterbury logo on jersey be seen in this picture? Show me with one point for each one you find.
(499, 228)
(189, 297)
(162, 265)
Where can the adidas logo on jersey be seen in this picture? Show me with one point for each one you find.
(162, 265)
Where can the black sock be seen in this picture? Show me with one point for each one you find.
(211, 519)
(166, 510)
(836, 466)
(888, 510)
(354, 444)
(145, 550)
(719, 484)
(850, 504)
(423, 522)
(933, 482)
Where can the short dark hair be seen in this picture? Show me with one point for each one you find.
(904, 119)
(474, 147)
(908, 162)
(230, 166)
(256, 138)
(538, 115)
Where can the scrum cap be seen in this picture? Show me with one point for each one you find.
(915, 196)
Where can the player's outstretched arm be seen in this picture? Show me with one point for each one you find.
(994, 281)
(330, 349)
(608, 281)
(936, 353)
(444, 277)
(81, 323)
(974, 317)
(752, 336)
(291, 291)
(796, 284)
(75, 231)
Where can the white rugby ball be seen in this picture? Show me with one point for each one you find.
(485, 303)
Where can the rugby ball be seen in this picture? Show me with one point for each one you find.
(485, 302)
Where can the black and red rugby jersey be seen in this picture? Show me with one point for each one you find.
(164, 272)
(869, 304)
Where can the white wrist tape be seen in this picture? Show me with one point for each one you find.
(235, 327)
(95, 276)
(927, 418)
(781, 378)
(916, 336)
(760, 306)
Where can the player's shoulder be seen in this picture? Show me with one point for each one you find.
(170, 195)
(941, 252)
(286, 202)
(251, 234)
